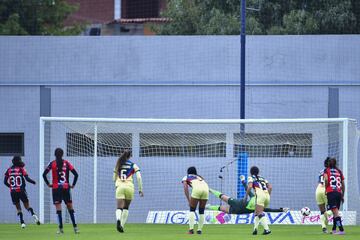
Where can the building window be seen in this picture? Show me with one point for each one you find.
(113, 144)
(140, 8)
(182, 145)
(79, 145)
(109, 144)
(274, 145)
(11, 144)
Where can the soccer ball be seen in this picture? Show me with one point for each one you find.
(305, 211)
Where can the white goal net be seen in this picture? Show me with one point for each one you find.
(289, 153)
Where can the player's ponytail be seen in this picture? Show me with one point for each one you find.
(333, 164)
(326, 162)
(122, 160)
(59, 153)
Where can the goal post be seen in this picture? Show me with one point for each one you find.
(284, 149)
(345, 156)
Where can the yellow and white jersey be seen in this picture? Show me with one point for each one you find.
(259, 183)
(321, 177)
(200, 189)
(125, 174)
(320, 193)
(194, 181)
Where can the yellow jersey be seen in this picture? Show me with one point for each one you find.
(125, 174)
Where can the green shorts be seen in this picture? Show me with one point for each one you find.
(237, 206)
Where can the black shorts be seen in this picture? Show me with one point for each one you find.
(60, 195)
(334, 200)
(237, 206)
(17, 196)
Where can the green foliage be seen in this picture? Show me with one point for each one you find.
(222, 17)
(299, 22)
(199, 17)
(36, 17)
(338, 18)
(12, 26)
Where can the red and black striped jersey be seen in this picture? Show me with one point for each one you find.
(335, 178)
(60, 176)
(16, 180)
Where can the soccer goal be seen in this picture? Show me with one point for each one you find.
(289, 152)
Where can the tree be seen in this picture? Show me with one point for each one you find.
(188, 17)
(355, 6)
(200, 17)
(299, 22)
(36, 17)
(12, 26)
(336, 17)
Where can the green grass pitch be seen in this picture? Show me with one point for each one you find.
(168, 232)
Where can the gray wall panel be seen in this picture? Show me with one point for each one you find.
(19, 112)
(195, 59)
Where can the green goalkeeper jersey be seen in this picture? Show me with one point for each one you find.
(251, 204)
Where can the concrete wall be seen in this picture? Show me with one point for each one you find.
(306, 59)
(19, 112)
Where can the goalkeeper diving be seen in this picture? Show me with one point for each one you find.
(238, 206)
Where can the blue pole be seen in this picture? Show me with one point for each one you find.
(242, 168)
(242, 59)
(243, 157)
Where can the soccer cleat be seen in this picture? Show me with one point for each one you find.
(325, 230)
(333, 232)
(266, 232)
(60, 231)
(191, 231)
(23, 225)
(76, 230)
(254, 232)
(119, 227)
(199, 232)
(339, 233)
(36, 219)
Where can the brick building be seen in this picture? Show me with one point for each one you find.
(118, 17)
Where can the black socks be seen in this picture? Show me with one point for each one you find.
(58, 212)
(20, 214)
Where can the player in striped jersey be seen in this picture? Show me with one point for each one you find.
(335, 190)
(15, 177)
(321, 198)
(199, 196)
(262, 189)
(123, 178)
(60, 171)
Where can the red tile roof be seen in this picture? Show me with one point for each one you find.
(92, 11)
(140, 20)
